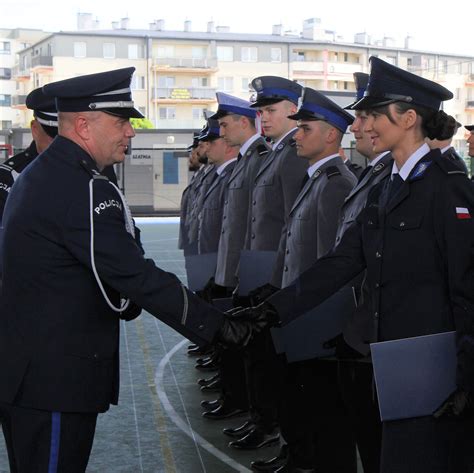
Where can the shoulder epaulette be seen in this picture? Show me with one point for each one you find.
(17, 162)
(332, 171)
(448, 166)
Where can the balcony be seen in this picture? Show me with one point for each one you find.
(329, 70)
(18, 101)
(177, 64)
(21, 73)
(42, 62)
(470, 105)
(470, 79)
(184, 94)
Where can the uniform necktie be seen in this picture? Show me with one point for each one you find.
(395, 184)
(364, 173)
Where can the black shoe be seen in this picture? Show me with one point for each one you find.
(272, 464)
(209, 366)
(214, 387)
(206, 381)
(204, 360)
(211, 405)
(256, 438)
(223, 412)
(239, 431)
(192, 347)
(198, 351)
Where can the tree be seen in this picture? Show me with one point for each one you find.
(141, 123)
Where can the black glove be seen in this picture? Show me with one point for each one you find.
(343, 350)
(460, 404)
(240, 326)
(131, 312)
(262, 293)
(212, 291)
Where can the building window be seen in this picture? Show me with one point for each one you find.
(170, 168)
(6, 124)
(109, 50)
(248, 54)
(300, 56)
(346, 85)
(134, 51)
(5, 73)
(246, 84)
(165, 52)
(275, 55)
(346, 57)
(5, 47)
(225, 84)
(225, 53)
(199, 113)
(138, 82)
(198, 53)
(167, 113)
(142, 110)
(199, 82)
(5, 100)
(80, 49)
(164, 81)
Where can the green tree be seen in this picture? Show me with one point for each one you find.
(142, 123)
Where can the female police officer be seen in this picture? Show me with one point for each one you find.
(415, 237)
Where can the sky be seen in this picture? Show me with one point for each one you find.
(433, 26)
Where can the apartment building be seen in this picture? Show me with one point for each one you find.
(178, 73)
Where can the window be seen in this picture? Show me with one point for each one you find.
(300, 56)
(346, 57)
(165, 51)
(346, 85)
(249, 54)
(5, 47)
(225, 84)
(5, 100)
(80, 49)
(134, 51)
(5, 73)
(109, 50)
(199, 82)
(170, 168)
(142, 110)
(138, 82)
(199, 113)
(198, 53)
(246, 84)
(164, 81)
(275, 55)
(6, 124)
(391, 60)
(167, 113)
(225, 53)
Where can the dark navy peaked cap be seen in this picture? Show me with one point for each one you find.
(210, 131)
(195, 141)
(232, 105)
(103, 92)
(388, 84)
(361, 80)
(273, 89)
(469, 127)
(44, 111)
(314, 105)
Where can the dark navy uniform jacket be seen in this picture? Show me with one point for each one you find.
(59, 339)
(418, 251)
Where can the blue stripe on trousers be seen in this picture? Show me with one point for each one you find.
(55, 437)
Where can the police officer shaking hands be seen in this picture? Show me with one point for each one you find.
(70, 256)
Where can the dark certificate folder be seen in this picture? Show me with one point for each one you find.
(199, 269)
(255, 269)
(414, 375)
(303, 338)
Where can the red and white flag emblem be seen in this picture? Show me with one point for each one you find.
(462, 213)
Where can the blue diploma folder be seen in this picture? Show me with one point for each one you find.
(199, 269)
(255, 269)
(414, 375)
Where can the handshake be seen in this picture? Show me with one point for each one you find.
(241, 325)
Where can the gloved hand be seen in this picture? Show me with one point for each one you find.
(240, 326)
(459, 404)
(343, 350)
(212, 291)
(262, 293)
(131, 312)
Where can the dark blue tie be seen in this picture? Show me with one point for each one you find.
(395, 184)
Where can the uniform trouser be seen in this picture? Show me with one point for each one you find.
(359, 396)
(314, 421)
(428, 445)
(264, 369)
(47, 442)
(233, 379)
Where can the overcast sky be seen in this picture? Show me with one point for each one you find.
(439, 29)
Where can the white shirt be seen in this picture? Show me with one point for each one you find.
(221, 168)
(274, 145)
(314, 167)
(248, 143)
(378, 158)
(411, 162)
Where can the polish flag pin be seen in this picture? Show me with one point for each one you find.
(462, 213)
